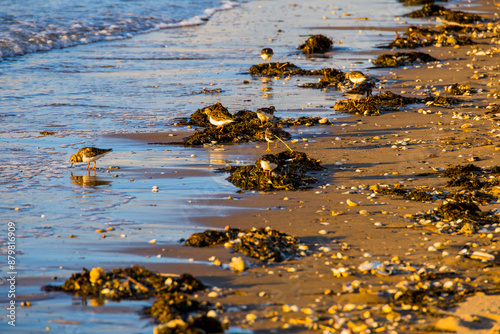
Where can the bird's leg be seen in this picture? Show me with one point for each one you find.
(276, 145)
(354, 85)
(88, 165)
(95, 162)
(268, 149)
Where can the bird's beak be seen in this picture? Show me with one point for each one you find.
(71, 165)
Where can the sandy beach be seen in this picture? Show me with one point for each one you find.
(343, 222)
(404, 147)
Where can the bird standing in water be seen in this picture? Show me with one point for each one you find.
(89, 154)
(266, 54)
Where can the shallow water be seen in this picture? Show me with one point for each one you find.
(142, 84)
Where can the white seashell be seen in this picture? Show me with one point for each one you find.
(367, 266)
(482, 256)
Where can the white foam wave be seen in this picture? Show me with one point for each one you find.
(28, 36)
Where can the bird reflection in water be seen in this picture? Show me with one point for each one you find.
(89, 181)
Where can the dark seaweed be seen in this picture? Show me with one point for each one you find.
(430, 10)
(289, 175)
(402, 59)
(264, 244)
(316, 44)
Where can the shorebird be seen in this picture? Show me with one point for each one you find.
(218, 118)
(268, 163)
(272, 135)
(266, 114)
(266, 54)
(356, 77)
(364, 90)
(89, 154)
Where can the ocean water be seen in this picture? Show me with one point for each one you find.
(84, 70)
(32, 25)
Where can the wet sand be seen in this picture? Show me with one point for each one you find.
(356, 153)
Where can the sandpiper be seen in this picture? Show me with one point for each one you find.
(89, 154)
(266, 114)
(268, 163)
(218, 118)
(266, 54)
(271, 135)
(364, 90)
(356, 77)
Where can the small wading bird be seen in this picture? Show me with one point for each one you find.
(356, 77)
(364, 90)
(268, 162)
(266, 54)
(89, 154)
(218, 118)
(266, 114)
(272, 135)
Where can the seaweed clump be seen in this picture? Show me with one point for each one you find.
(416, 195)
(316, 44)
(290, 173)
(416, 37)
(418, 2)
(432, 10)
(264, 244)
(373, 105)
(173, 310)
(245, 128)
(174, 313)
(331, 77)
(471, 177)
(124, 283)
(280, 70)
(457, 89)
(303, 120)
(402, 59)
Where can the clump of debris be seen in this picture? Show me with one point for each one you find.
(331, 78)
(403, 59)
(432, 10)
(373, 105)
(173, 310)
(416, 37)
(316, 44)
(280, 70)
(457, 89)
(265, 244)
(288, 172)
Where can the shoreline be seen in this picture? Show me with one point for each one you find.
(364, 156)
(356, 154)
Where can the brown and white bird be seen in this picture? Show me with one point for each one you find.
(268, 163)
(218, 118)
(266, 53)
(89, 154)
(266, 114)
(271, 135)
(356, 77)
(364, 90)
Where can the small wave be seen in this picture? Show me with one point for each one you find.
(18, 38)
